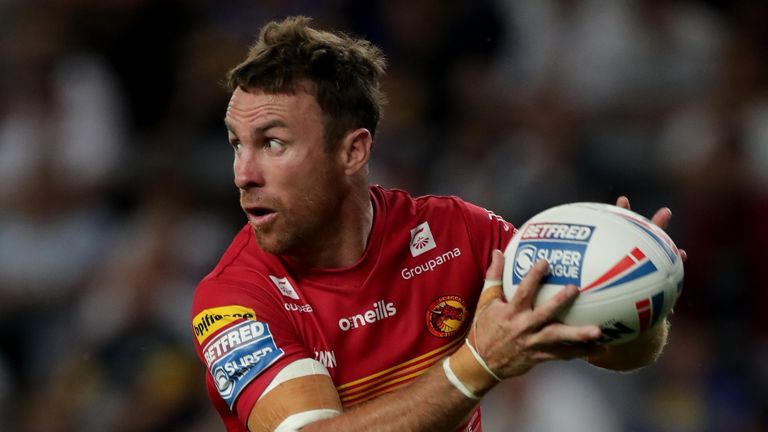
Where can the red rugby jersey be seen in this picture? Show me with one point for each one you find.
(376, 325)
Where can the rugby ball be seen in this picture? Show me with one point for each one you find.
(628, 270)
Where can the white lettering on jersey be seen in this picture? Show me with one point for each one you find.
(285, 287)
(421, 239)
(233, 339)
(380, 311)
(298, 308)
(492, 216)
(431, 265)
(326, 358)
(237, 355)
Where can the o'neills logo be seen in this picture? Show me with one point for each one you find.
(408, 273)
(446, 315)
(380, 311)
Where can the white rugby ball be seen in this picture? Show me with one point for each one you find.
(628, 270)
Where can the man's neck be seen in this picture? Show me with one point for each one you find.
(347, 237)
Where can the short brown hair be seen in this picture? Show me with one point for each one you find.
(346, 73)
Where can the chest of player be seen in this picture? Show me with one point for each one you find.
(378, 332)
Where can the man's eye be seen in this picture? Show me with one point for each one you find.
(236, 145)
(274, 146)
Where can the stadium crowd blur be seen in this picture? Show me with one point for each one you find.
(116, 194)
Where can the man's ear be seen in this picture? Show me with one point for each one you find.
(355, 150)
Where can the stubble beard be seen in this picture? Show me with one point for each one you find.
(281, 237)
(301, 229)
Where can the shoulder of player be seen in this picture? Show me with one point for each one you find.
(235, 296)
(398, 198)
(237, 279)
(240, 263)
(234, 251)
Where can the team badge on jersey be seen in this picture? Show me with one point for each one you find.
(421, 239)
(446, 316)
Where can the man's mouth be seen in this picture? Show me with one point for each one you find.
(260, 215)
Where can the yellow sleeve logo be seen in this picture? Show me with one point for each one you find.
(209, 320)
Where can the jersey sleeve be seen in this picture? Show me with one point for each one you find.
(244, 339)
(487, 231)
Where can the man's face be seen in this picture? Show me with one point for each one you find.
(290, 187)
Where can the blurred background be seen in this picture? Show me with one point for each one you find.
(116, 191)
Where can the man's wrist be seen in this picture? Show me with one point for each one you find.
(470, 372)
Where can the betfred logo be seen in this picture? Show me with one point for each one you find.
(236, 356)
(209, 320)
(558, 231)
(233, 339)
(380, 311)
(422, 240)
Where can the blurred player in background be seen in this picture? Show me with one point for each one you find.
(347, 306)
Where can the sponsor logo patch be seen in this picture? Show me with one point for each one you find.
(422, 239)
(446, 316)
(238, 355)
(381, 310)
(430, 265)
(302, 308)
(562, 245)
(208, 321)
(285, 287)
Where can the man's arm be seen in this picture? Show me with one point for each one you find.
(510, 337)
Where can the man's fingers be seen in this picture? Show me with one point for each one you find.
(549, 310)
(496, 268)
(529, 287)
(662, 217)
(569, 351)
(554, 334)
(492, 287)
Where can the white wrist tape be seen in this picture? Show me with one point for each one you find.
(453, 379)
(297, 369)
(491, 283)
(481, 361)
(297, 421)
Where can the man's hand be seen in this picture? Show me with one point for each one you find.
(513, 337)
(661, 218)
(647, 348)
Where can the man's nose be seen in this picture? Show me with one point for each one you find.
(248, 170)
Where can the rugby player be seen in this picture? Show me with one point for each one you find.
(347, 306)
